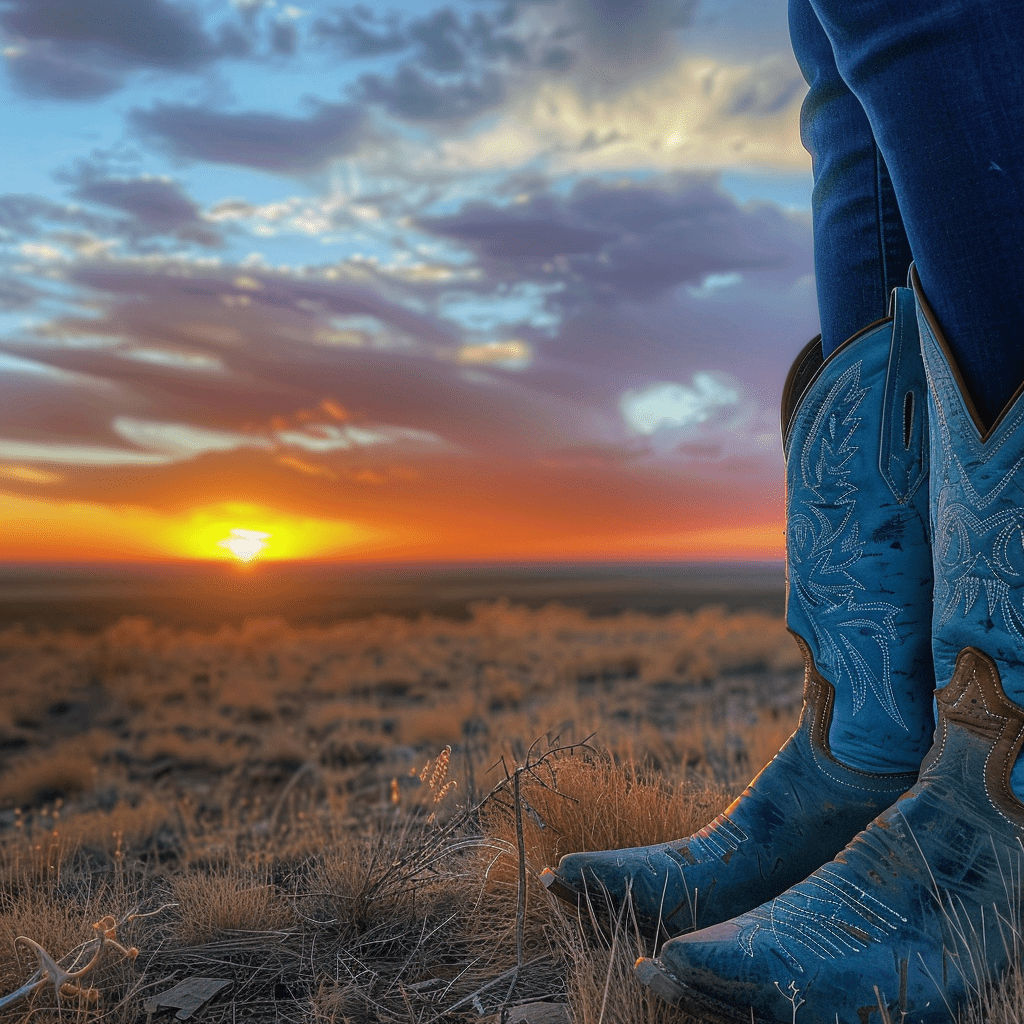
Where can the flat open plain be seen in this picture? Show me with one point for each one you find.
(300, 778)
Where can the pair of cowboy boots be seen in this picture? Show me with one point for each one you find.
(850, 881)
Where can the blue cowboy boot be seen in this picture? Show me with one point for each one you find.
(922, 909)
(859, 605)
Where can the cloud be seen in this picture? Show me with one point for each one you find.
(217, 307)
(622, 40)
(524, 235)
(180, 440)
(268, 142)
(64, 49)
(440, 39)
(406, 348)
(55, 72)
(156, 206)
(169, 347)
(16, 294)
(605, 42)
(151, 32)
(284, 39)
(627, 239)
(457, 68)
(29, 475)
(513, 353)
(209, 401)
(587, 83)
(413, 96)
(22, 215)
(574, 294)
(359, 34)
(675, 405)
(76, 454)
(327, 437)
(695, 112)
(142, 207)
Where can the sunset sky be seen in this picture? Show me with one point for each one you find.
(484, 279)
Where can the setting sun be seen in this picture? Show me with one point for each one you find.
(245, 545)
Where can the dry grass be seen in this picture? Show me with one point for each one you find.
(303, 811)
(637, 808)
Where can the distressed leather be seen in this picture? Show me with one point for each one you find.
(802, 807)
(859, 603)
(926, 901)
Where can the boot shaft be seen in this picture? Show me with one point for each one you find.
(859, 567)
(977, 522)
(977, 519)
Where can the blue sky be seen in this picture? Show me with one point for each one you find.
(529, 267)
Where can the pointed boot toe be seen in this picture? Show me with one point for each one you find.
(804, 802)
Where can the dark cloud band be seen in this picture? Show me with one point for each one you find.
(267, 142)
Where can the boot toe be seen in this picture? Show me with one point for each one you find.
(689, 974)
(602, 878)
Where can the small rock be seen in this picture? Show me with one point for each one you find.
(186, 997)
(536, 1013)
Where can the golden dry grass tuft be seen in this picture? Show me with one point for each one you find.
(236, 898)
(638, 807)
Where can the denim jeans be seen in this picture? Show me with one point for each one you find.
(915, 125)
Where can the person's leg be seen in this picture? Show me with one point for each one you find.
(861, 252)
(942, 85)
(859, 566)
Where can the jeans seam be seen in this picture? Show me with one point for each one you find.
(880, 210)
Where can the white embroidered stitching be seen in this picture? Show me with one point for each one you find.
(827, 552)
(722, 836)
(827, 915)
(979, 555)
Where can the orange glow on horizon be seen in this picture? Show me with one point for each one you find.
(213, 532)
(36, 530)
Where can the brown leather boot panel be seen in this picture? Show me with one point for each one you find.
(974, 699)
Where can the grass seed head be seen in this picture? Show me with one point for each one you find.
(445, 790)
(440, 769)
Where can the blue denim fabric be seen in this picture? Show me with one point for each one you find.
(861, 250)
(915, 124)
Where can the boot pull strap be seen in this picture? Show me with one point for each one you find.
(903, 448)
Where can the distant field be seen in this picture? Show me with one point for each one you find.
(212, 594)
(317, 812)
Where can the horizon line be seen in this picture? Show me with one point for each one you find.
(389, 565)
